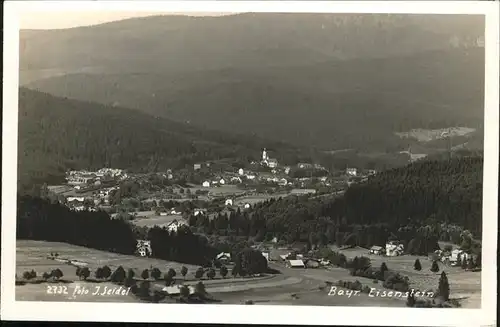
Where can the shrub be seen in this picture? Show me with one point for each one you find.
(417, 266)
(156, 273)
(184, 271)
(444, 287)
(106, 272)
(118, 276)
(223, 271)
(56, 274)
(435, 266)
(98, 273)
(199, 273)
(84, 273)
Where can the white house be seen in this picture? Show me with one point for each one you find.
(206, 184)
(175, 212)
(377, 250)
(224, 256)
(222, 181)
(295, 264)
(197, 166)
(459, 254)
(176, 289)
(250, 177)
(266, 255)
(229, 202)
(393, 249)
(272, 163)
(199, 212)
(175, 225)
(241, 172)
(287, 170)
(143, 248)
(247, 206)
(352, 171)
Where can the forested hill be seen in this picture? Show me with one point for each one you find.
(338, 81)
(56, 134)
(429, 198)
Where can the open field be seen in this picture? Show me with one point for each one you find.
(226, 190)
(291, 287)
(33, 255)
(253, 199)
(155, 220)
(464, 285)
(426, 135)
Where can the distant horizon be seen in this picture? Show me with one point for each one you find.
(65, 20)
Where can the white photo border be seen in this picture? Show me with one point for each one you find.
(261, 314)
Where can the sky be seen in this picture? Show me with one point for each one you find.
(58, 20)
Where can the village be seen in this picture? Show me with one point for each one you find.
(218, 182)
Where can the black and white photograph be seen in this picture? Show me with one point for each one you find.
(223, 153)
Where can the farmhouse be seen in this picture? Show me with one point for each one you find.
(295, 264)
(393, 249)
(458, 254)
(241, 172)
(175, 225)
(224, 257)
(206, 184)
(228, 202)
(143, 248)
(378, 250)
(176, 290)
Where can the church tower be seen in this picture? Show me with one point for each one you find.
(264, 155)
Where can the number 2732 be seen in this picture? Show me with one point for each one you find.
(57, 290)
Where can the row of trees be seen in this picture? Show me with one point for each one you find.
(55, 274)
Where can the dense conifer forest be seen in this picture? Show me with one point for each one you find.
(43, 219)
(57, 134)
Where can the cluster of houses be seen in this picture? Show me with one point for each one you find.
(453, 257)
(81, 203)
(82, 178)
(391, 249)
(297, 260)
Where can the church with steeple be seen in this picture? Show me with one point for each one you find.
(267, 161)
